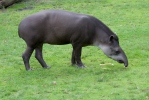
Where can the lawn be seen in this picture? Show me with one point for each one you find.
(127, 18)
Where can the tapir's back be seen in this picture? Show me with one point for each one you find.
(54, 27)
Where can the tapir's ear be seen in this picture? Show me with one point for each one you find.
(111, 38)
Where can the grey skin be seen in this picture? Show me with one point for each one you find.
(59, 27)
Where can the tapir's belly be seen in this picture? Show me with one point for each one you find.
(59, 36)
(63, 33)
(55, 40)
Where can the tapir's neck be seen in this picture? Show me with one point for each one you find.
(102, 35)
(100, 45)
(101, 38)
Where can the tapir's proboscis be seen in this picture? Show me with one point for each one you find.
(58, 27)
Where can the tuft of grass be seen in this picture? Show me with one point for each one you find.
(127, 18)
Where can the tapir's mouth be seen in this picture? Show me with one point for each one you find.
(120, 61)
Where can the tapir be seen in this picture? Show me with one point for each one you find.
(58, 27)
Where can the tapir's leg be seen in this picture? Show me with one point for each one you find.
(39, 57)
(73, 61)
(26, 56)
(76, 55)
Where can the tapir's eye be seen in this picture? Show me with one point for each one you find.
(117, 52)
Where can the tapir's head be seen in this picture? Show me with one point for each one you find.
(110, 46)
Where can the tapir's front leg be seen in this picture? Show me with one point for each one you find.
(73, 60)
(76, 56)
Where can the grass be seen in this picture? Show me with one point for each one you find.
(127, 18)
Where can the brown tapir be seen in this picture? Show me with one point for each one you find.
(58, 27)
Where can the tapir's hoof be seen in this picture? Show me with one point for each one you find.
(73, 64)
(47, 67)
(79, 66)
(82, 66)
(29, 69)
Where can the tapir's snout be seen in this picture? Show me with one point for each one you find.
(126, 65)
(124, 61)
(122, 58)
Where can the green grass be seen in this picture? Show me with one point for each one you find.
(127, 18)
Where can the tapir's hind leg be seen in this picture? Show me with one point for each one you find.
(39, 57)
(26, 56)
